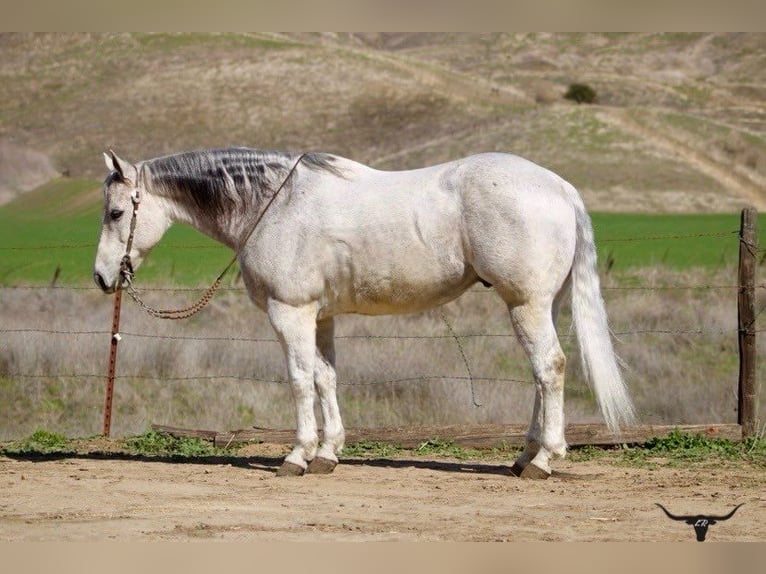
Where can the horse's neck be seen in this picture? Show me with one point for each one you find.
(225, 228)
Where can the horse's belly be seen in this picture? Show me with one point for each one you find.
(397, 301)
(403, 284)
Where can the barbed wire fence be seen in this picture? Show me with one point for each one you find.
(747, 326)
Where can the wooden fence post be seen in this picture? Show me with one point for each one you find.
(747, 415)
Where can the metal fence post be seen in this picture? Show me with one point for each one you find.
(112, 363)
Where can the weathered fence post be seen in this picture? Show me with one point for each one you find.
(747, 415)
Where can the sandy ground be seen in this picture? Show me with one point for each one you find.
(98, 497)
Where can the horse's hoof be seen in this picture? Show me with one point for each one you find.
(534, 472)
(290, 469)
(321, 465)
(517, 469)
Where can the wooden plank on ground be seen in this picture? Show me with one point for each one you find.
(186, 433)
(473, 436)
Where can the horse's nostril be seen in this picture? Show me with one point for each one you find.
(100, 281)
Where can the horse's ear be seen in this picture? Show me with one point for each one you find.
(126, 170)
(109, 161)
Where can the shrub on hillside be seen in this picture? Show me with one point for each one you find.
(581, 93)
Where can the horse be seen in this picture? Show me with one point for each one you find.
(317, 235)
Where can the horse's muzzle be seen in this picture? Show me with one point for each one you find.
(102, 284)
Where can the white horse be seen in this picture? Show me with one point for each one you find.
(334, 236)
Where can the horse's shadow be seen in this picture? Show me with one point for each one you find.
(270, 464)
(259, 462)
(437, 465)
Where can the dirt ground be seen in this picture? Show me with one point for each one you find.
(99, 497)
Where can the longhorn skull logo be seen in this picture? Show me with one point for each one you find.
(700, 522)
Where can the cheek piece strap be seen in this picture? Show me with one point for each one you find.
(126, 265)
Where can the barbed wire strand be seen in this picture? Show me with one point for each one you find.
(674, 236)
(93, 246)
(140, 377)
(456, 336)
(469, 291)
(223, 247)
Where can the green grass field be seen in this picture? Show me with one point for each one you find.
(675, 241)
(57, 226)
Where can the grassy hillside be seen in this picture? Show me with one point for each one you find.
(678, 126)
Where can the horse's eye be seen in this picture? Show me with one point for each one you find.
(115, 214)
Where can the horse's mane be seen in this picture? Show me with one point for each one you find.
(217, 180)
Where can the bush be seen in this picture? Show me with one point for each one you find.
(154, 443)
(40, 442)
(581, 93)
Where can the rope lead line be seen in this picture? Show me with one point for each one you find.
(126, 267)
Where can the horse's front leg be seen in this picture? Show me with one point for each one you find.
(296, 329)
(326, 382)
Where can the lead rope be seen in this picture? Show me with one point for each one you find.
(126, 267)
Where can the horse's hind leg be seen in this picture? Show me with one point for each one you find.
(296, 330)
(534, 326)
(325, 381)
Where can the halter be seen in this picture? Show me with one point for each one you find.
(126, 265)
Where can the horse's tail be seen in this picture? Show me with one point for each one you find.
(593, 336)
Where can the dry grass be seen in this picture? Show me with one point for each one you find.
(21, 170)
(675, 378)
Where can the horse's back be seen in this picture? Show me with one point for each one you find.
(512, 221)
(397, 241)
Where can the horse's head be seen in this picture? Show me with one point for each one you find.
(124, 192)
